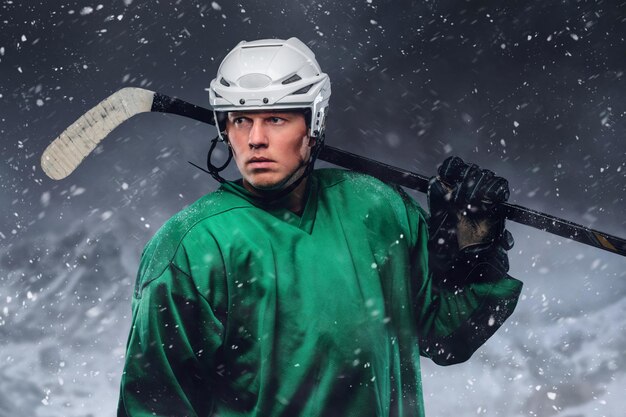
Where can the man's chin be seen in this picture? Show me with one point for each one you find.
(271, 183)
(266, 185)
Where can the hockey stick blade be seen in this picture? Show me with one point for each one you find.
(68, 150)
(72, 146)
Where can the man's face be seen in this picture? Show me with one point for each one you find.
(270, 148)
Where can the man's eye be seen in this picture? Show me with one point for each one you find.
(276, 119)
(239, 120)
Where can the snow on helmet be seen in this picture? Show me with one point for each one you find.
(272, 74)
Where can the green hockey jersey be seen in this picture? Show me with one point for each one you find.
(248, 310)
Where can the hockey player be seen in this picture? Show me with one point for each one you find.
(301, 292)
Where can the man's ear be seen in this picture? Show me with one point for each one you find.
(312, 141)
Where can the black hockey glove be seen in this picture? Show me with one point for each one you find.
(464, 227)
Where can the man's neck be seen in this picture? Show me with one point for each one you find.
(295, 201)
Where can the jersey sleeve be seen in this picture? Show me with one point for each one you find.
(455, 316)
(176, 334)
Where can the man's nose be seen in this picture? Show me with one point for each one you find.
(258, 135)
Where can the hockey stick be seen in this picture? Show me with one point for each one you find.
(68, 150)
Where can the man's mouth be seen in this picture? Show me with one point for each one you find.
(260, 162)
(259, 159)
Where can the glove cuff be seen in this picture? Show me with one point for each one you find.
(463, 268)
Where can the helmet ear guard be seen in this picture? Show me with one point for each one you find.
(220, 124)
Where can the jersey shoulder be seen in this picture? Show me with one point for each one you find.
(360, 186)
(352, 180)
(164, 244)
(355, 188)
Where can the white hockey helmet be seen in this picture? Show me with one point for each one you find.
(272, 74)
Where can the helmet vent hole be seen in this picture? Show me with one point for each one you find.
(292, 79)
(224, 82)
(303, 90)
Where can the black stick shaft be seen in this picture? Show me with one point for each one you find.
(512, 212)
(388, 173)
(165, 104)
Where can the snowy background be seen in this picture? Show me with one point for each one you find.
(533, 90)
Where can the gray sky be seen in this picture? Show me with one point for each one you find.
(532, 90)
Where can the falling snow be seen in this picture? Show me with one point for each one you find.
(532, 91)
